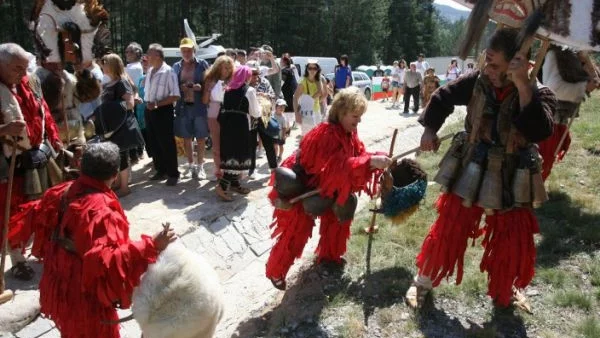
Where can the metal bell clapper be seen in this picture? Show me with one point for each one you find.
(468, 184)
(490, 193)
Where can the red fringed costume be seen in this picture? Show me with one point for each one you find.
(563, 72)
(338, 164)
(509, 257)
(549, 146)
(30, 106)
(80, 289)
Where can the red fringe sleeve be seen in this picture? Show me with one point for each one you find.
(37, 217)
(113, 265)
(338, 162)
(50, 125)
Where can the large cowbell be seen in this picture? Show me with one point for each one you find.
(468, 184)
(490, 194)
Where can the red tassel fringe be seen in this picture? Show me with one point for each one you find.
(292, 228)
(509, 256)
(445, 245)
(334, 237)
(548, 148)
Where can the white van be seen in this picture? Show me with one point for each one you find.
(209, 53)
(327, 64)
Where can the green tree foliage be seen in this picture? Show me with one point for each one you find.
(369, 31)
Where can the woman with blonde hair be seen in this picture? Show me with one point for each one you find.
(332, 159)
(117, 107)
(215, 79)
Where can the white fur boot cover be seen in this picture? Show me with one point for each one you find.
(179, 296)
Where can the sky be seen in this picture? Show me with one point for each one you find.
(451, 4)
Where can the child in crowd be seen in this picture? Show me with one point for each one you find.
(385, 86)
(430, 83)
(280, 106)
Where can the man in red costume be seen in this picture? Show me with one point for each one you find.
(336, 162)
(504, 118)
(564, 72)
(27, 119)
(90, 264)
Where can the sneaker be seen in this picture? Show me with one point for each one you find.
(200, 173)
(172, 181)
(405, 112)
(194, 169)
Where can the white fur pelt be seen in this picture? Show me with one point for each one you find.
(564, 91)
(51, 16)
(180, 296)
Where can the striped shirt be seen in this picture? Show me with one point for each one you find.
(160, 84)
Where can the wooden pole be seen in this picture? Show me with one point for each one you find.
(372, 227)
(7, 295)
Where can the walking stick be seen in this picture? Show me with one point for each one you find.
(7, 295)
(372, 228)
(563, 137)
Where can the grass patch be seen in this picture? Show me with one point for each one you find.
(573, 298)
(554, 277)
(567, 247)
(589, 328)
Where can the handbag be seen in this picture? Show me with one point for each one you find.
(273, 128)
(123, 131)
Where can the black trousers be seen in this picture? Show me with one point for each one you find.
(267, 143)
(159, 124)
(414, 92)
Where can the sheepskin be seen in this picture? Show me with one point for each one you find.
(180, 296)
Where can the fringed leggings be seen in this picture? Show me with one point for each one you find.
(509, 256)
(548, 148)
(293, 228)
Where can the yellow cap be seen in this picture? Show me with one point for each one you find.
(186, 43)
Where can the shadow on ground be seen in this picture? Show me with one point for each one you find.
(566, 230)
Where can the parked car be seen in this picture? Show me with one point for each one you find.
(360, 80)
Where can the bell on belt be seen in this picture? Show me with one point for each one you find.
(448, 172)
(451, 162)
(55, 173)
(287, 183)
(317, 205)
(467, 186)
(32, 184)
(346, 212)
(490, 194)
(522, 186)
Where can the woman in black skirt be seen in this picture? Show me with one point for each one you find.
(239, 104)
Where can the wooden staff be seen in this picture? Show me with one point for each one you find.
(7, 295)
(372, 227)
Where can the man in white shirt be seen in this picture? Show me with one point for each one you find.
(422, 65)
(161, 92)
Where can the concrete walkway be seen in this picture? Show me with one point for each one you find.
(234, 236)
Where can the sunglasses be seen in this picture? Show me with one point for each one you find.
(255, 73)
